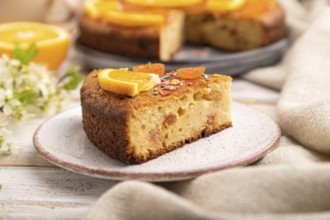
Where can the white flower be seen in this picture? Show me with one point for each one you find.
(2, 95)
(10, 106)
(4, 120)
(25, 91)
(5, 146)
(7, 102)
(14, 62)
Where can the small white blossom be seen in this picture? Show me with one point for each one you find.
(5, 146)
(25, 91)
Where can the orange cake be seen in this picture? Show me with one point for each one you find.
(156, 29)
(136, 116)
(139, 34)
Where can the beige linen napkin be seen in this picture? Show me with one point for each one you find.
(292, 182)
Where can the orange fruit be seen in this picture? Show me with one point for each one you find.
(52, 42)
(190, 72)
(111, 12)
(224, 5)
(157, 68)
(127, 82)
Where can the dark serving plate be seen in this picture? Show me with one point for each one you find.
(215, 61)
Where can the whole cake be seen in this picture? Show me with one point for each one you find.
(135, 116)
(156, 29)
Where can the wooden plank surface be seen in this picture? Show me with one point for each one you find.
(36, 192)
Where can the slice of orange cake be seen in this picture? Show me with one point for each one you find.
(137, 116)
(107, 27)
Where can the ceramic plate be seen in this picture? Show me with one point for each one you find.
(215, 61)
(62, 141)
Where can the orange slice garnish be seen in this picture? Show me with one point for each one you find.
(164, 3)
(134, 19)
(111, 12)
(52, 42)
(190, 72)
(224, 5)
(127, 82)
(157, 68)
(95, 8)
(254, 8)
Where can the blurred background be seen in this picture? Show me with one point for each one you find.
(56, 12)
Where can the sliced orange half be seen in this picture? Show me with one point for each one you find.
(127, 82)
(52, 42)
(224, 5)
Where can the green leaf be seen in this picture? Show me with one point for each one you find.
(25, 56)
(73, 83)
(73, 78)
(26, 96)
(72, 71)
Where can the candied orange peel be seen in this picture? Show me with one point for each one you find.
(190, 72)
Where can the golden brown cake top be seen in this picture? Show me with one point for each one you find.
(171, 88)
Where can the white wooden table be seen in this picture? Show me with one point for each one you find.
(33, 188)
